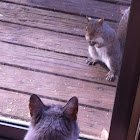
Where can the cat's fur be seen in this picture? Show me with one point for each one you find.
(53, 122)
(104, 46)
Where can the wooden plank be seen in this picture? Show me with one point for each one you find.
(56, 63)
(92, 8)
(43, 39)
(122, 2)
(57, 87)
(69, 65)
(45, 19)
(91, 121)
(118, 2)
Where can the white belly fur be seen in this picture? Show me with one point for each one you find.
(91, 52)
(99, 54)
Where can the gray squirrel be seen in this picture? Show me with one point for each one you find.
(104, 46)
(53, 122)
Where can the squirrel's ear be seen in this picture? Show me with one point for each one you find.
(71, 109)
(100, 21)
(88, 18)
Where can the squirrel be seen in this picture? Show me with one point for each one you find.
(104, 46)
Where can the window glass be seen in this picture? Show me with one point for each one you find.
(44, 51)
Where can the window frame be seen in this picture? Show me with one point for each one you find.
(128, 79)
(12, 131)
(126, 89)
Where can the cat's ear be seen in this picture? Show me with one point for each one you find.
(71, 109)
(100, 21)
(88, 18)
(35, 105)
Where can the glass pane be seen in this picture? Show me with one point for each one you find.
(44, 52)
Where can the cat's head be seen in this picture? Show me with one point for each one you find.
(93, 31)
(54, 122)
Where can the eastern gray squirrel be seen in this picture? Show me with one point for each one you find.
(104, 46)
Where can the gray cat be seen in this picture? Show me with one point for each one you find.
(53, 122)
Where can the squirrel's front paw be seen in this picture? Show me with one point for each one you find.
(110, 76)
(91, 61)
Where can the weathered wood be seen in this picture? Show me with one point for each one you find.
(93, 8)
(45, 19)
(122, 2)
(57, 87)
(38, 55)
(91, 121)
(56, 63)
(43, 39)
(56, 42)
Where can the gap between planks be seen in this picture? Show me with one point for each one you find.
(57, 88)
(95, 8)
(44, 19)
(52, 63)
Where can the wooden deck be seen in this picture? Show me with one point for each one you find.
(43, 51)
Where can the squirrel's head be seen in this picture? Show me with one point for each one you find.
(93, 30)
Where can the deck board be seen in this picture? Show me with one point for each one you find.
(51, 62)
(92, 8)
(57, 87)
(43, 39)
(121, 2)
(45, 19)
(43, 51)
(69, 45)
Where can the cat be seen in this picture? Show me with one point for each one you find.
(53, 122)
(104, 46)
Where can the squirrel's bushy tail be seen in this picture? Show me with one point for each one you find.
(122, 29)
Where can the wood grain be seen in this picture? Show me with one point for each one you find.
(43, 39)
(43, 51)
(45, 19)
(121, 2)
(51, 62)
(54, 42)
(91, 121)
(57, 87)
(92, 8)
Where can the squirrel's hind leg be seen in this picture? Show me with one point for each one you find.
(112, 65)
(110, 76)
